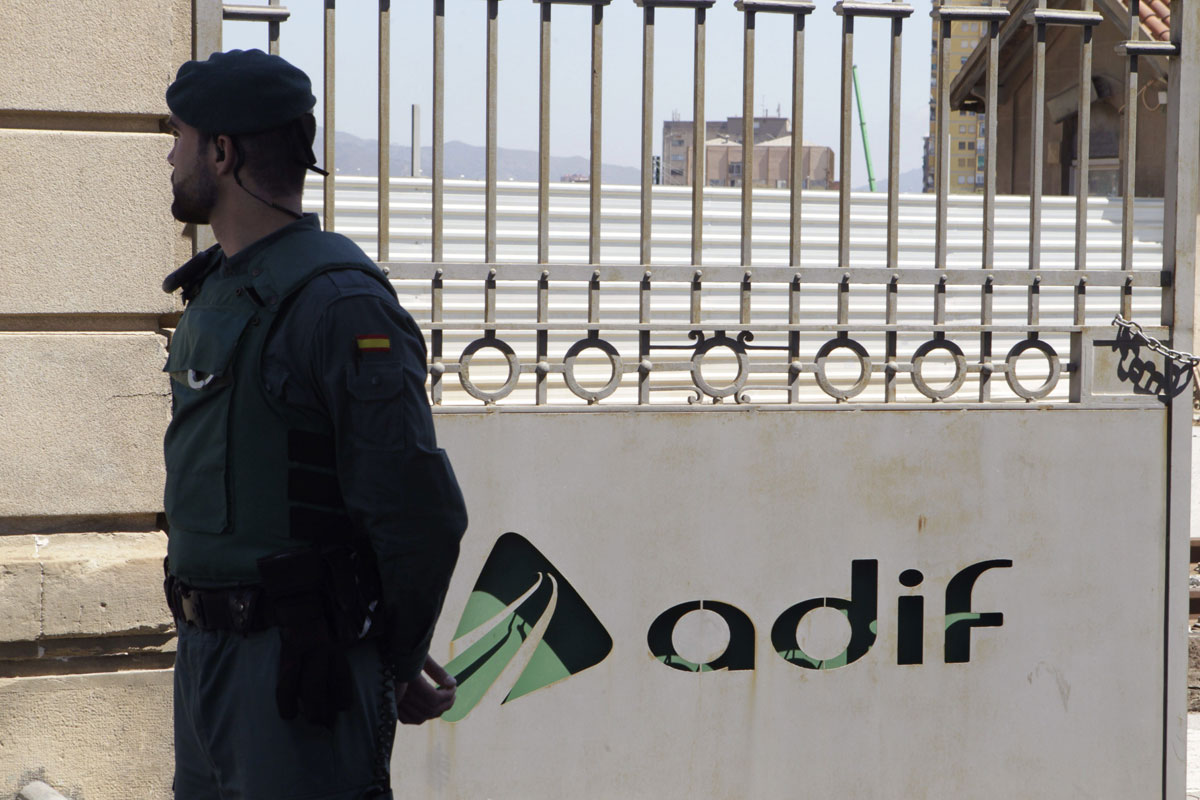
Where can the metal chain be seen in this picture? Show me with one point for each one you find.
(1187, 360)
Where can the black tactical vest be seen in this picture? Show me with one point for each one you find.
(248, 476)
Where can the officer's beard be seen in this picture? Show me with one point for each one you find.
(195, 196)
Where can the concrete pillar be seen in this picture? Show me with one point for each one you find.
(86, 644)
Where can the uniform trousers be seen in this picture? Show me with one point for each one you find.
(231, 743)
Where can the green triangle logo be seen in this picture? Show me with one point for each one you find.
(525, 607)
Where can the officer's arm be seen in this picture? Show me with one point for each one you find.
(397, 485)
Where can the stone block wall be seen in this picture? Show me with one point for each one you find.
(86, 644)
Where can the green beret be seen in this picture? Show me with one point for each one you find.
(242, 91)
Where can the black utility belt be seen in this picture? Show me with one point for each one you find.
(238, 609)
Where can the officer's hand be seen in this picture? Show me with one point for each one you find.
(422, 700)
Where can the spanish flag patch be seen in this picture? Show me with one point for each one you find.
(373, 343)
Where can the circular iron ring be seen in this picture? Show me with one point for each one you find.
(464, 371)
(864, 365)
(743, 362)
(614, 359)
(960, 369)
(1010, 374)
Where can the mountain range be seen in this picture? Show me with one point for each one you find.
(357, 156)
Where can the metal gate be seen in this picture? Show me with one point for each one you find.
(802, 527)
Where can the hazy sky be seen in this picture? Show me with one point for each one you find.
(301, 41)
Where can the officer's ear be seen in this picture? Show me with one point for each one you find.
(223, 154)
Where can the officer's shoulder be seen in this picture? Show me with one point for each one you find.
(340, 283)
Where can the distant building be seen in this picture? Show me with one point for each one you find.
(771, 167)
(574, 177)
(677, 142)
(723, 155)
(964, 129)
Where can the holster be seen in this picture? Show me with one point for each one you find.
(322, 599)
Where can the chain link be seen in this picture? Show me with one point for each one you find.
(1186, 360)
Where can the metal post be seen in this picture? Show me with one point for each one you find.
(845, 146)
(594, 177)
(1083, 143)
(273, 32)
(795, 205)
(330, 122)
(543, 223)
(439, 118)
(699, 136)
(747, 134)
(942, 143)
(489, 212)
(414, 157)
(383, 252)
(647, 133)
(1129, 156)
(1181, 239)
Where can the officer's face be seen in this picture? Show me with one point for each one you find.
(193, 182)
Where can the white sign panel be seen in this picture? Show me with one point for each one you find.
(739, 604)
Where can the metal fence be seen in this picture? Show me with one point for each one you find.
(759, 367)
(799, 316)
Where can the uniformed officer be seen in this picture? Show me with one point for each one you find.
(313, 521)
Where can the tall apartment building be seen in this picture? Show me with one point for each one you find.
(964, 129)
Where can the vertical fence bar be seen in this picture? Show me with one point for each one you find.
(273, 32)
(644, 338)
(1083, 144)
(699, 136)
(489, 203)
(893, 200)
(1180, 243)
(747, 133)
(439, 119)
(647, 135)
(1129, 157)
(796, 184)
(794, 335)
(415, 156)
(991, 119)
(328, 134)
(990, 138)
(845, 142)
(594, 177)
(436, 369)
(744, 301)
(543, 223)
(383, 251)
(890, 340)
(941, 145)
(1037, 148)
(543, 337)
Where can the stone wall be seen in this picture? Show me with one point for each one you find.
(86, 644)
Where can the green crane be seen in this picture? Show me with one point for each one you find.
(863, 124)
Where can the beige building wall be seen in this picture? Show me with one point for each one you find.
(86, 644)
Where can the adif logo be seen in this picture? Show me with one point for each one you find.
(522, 610)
